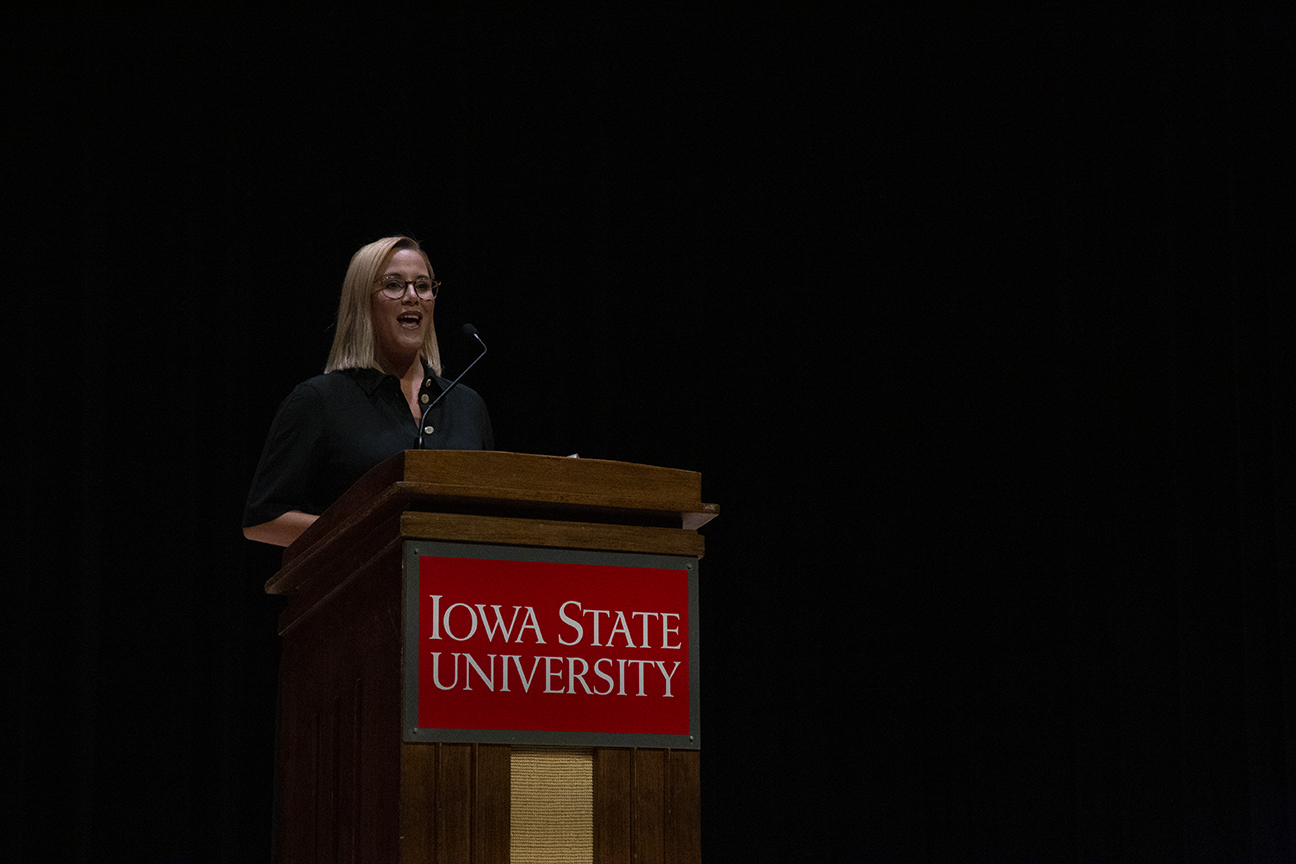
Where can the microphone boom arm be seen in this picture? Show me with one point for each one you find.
(469, 330)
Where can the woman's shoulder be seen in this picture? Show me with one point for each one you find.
(461, 392)
(327, 388)
(338, 380)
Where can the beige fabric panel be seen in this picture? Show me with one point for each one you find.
(552, 805)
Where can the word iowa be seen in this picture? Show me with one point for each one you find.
(601, 628)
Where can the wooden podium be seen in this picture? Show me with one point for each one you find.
(352, 786)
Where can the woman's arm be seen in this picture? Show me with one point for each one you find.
(282, 530)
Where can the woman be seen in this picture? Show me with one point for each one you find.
(382, 373)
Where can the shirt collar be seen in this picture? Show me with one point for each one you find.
(371, 379)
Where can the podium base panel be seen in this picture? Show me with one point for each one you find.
(552, 805)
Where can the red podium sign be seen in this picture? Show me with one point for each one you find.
(550, 646)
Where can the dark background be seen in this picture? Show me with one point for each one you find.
(976, 323)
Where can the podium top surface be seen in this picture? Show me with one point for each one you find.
(512, 484)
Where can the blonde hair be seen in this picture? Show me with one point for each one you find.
(353, 343)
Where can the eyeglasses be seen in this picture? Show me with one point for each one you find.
(393, 287)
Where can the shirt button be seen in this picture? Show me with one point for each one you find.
(427, 430)
(428, 383)
(424, 397)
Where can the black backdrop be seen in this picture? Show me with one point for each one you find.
(977, 325)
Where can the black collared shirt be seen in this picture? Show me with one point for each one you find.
(335, 427)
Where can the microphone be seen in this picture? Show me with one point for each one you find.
(468, 330)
